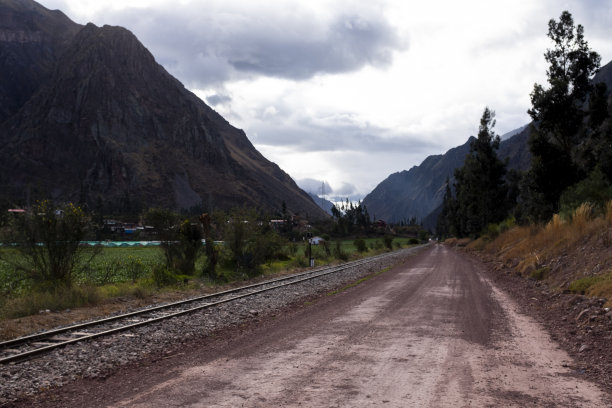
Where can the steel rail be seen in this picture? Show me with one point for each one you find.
(47, 335)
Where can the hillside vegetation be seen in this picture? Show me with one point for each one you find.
(569, 255)
(570, 144)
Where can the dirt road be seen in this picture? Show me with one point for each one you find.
(429, 333)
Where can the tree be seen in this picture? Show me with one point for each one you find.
(48, 239)
(558, 113)
(595, 189)
(349, 217)
(596, 150)
(250, 242)
(479, 184)
(187, 248)
(181, 241)
(212, 254)
(447, 219)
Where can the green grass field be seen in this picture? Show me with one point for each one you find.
(128, 272)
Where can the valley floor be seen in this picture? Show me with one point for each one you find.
(438, 330)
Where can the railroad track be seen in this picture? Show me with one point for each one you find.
(22, 348)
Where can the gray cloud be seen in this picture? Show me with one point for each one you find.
(218, 99)
(203, 46)
(347, 44)
(345, 190)
(323, 188)
(318, 187)
(344, 133)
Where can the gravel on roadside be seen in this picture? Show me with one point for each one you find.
(99, 358)
(582, 326)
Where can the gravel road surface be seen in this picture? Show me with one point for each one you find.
(431, 332)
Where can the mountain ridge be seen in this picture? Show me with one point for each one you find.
(109, 123)
(417, 192)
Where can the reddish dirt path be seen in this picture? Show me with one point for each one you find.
(429, 333)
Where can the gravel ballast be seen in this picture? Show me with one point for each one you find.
(100, 357)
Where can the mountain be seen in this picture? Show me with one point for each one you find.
(92, 117)
(322, 202)
(31, 40)
(605, 75)
(419, 191)
(514, 132)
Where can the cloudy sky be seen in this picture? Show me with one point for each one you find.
(348, 92)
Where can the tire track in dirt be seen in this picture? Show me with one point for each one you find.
(432, 332)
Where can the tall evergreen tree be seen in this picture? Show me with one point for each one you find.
(479, 184)
(558, 113)
(445, 226)
(596, 150)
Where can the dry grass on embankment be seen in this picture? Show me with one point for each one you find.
(573, 255)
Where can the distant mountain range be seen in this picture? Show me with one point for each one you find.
(322, 202)
(87, 115)
(418, 192)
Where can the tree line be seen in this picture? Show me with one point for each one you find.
(44, 245)
(570, 143)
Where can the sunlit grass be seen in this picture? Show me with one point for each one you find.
(531, 249)
(536, 245)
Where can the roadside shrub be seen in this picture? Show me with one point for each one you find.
(595, 190)
(301, 261)
(249, 242)
(491, 231)
(47, 238)
(388, 241)
(181, 241)
(603, 288)
(267, 246)
(413, 241)
(360, 245)
(162, 276)
(292, 249)
(506, 224)
(209, 270)
(326, 248)
(582, 285)
(339, 253)
(539, 274)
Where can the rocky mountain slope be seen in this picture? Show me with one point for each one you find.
(419, 191)
(322, 202)
(91, 117)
